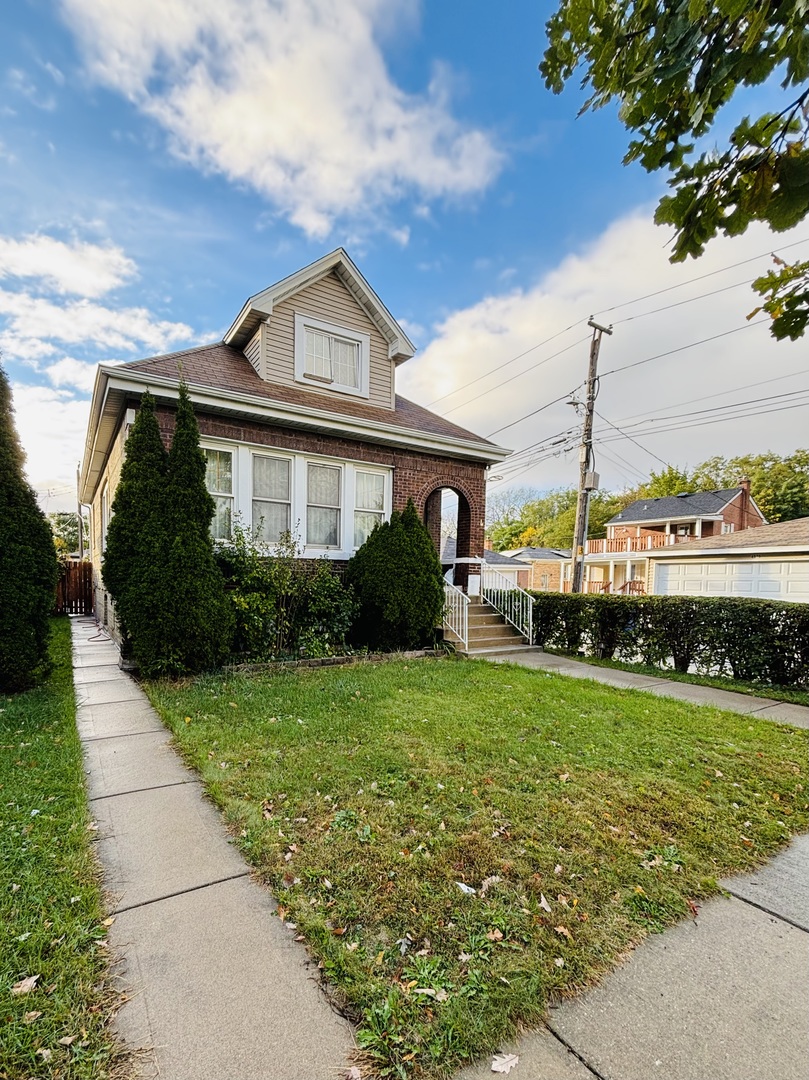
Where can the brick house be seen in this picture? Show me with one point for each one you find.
(620, 562)
(299, 421)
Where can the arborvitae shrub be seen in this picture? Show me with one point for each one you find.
(396, 576)
(137, 508)
(28, 565)
(185, 624)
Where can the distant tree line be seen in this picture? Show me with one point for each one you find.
(524, 517)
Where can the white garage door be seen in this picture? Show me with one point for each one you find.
(767, 579)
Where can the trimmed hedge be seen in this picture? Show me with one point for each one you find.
(761, 641)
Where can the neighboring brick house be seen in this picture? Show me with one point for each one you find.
(547, 566)
(620, 562)
(516, 570)
(300, 423)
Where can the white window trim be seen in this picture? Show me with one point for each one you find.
(269, 452)
(340, 508)
(242, 460)
(304, 323)
(387, 495)
(234, 496)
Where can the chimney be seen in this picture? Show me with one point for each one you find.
(744, 505)
(487, 544)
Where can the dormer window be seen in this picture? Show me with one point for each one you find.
(330, 357)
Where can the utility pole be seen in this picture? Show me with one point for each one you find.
(78, 508)
(587, 479)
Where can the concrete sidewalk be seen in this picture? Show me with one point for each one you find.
(782, 711)
(719, 997)
(218, 987)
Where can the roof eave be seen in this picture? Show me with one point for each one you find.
(258, 308)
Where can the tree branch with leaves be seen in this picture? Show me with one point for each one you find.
(672, 66)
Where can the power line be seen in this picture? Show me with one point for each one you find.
(701, 277)
(679, 303)
(517, 376)
(720, 393)
(542, 408)
(682, 348)
(635, 441)
(499, 367)
(719, 420)
(714, 409)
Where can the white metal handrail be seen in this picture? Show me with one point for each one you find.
(514, 604)
(456, 612)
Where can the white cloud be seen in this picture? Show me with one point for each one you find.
(34, 323)
(628, 261)
(78, 268)
(75, 374)
(291, 96)
(52, 425)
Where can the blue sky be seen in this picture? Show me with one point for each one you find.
(163, 160)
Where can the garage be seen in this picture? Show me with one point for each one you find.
(769, 562)
(775, 579)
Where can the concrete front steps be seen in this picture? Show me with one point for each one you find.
(488, 632)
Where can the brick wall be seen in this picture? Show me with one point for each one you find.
(416, 475)
(554, 571)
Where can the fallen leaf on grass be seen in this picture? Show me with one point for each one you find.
(488, 883)
(495, 935)
(46, 1055)
(30, 1017)
(693, 907)
(504, 1063)
(543, 903)
(563, 930)
(25, 986)
(67, 1040)
(559, 961)
(109, 921)
(467, 890)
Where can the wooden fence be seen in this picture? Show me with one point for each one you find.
(74, 591)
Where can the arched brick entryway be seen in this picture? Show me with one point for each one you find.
(429, 501)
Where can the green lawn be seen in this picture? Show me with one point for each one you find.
(582, 816)
(795, 696)
(51, 914)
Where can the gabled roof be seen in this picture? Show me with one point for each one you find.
(538, 554)
(675, 507)
(259, 307)
(222, 380)
(787, 536)
(491, 558)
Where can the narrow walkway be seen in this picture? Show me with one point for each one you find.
(782, 711)
(217, 986)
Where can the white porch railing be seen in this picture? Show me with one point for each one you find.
(456, 613)
(514, 604)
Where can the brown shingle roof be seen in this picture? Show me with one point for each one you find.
(784, 534)
(224, 368)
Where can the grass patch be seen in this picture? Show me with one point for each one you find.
(51, 912)
(372, 798)
(776, 693)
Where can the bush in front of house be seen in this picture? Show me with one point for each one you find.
(136, 512)
(185, 623)
(396, 576)
(28, 566)
(282, 605)
(159, 562)
(764, 641)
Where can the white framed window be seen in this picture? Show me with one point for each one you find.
(331, 357)
(369, 504)
(727, 527)
(323, 505)
(219, 482)
(272, 497)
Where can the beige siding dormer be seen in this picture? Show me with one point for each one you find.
(328, 301)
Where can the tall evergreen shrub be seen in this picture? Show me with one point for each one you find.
(396, 576)
(185, 624)
(28, 567)
(136, 510)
